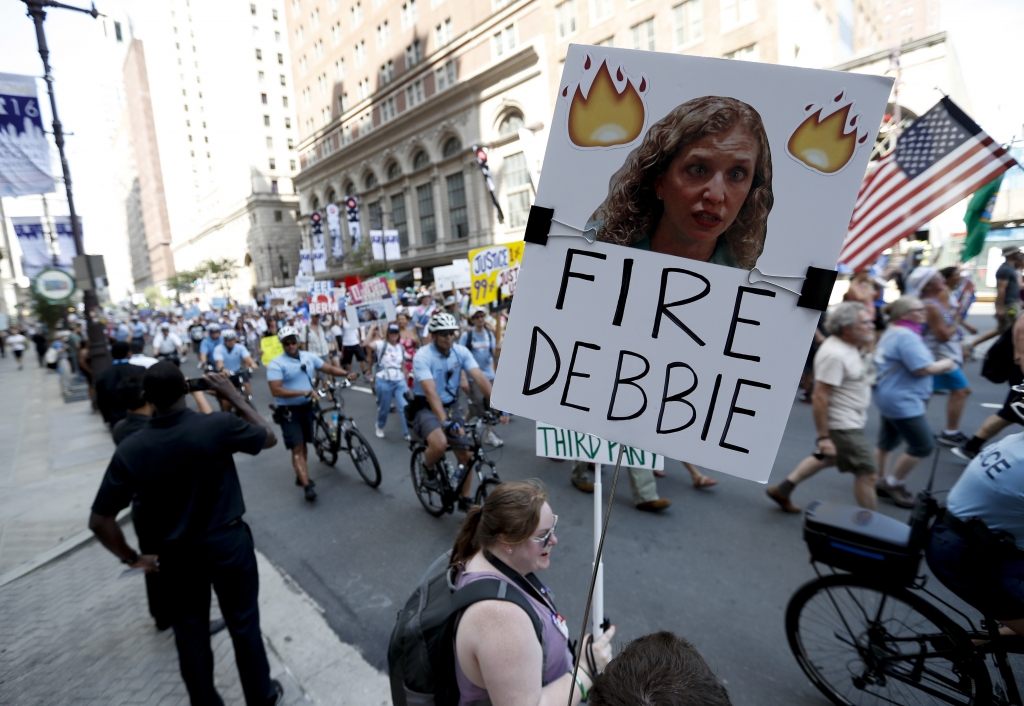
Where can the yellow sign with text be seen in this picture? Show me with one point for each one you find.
(492, 268)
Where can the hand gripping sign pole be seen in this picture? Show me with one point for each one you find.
(599, 530)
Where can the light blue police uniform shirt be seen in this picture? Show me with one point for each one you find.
(899, 394)
(232, 358)
(992, 488)
(139, 330)
(208, 345)
(429, 364)
(121, 332)
(289, 371)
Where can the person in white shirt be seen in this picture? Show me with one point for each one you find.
(841, 397)
(167, 345)
(390, 383)
(138, 356)
(17, 343)
(351, 347)
(314, 339)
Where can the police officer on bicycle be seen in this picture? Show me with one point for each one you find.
(436, 417)
(290, 376)
(167, 345)
(230, 356)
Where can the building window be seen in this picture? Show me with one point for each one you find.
(370, 181)
(278, 216)
(428, 223)
(259, 75)
(117, 31)
(360, 53)
(386, 74)
(288, 123)
(318, 49)
(291, 144)
(273, 187)
(511, 123)
(601, 10)
(357, 15)
(643, 35)
(343, 103)
(336, 33)
(517, 189)
(339, 70)
(409, 14)
(609, 42)
(284, 101)
(322, 82)
(413, 54)
(291, 164)
(273, 13)
(452, 146)
(737, 12)
(277, 36)
(282, 80)
(259, 55)
(565, 19)
(305, 97)
(414, 94)
(252, 8)
(504, 41)
(420, 160)
(399, 220)
(388, 110)
(688, 21)
(364, 89)
(326, 115)
(747, 53)
(376, 216)
(273, 163)
(394, 171)
(445, 76)
(443, 33)
(270, 142)
(280, 58)
(303, 66)
(458, 218)
(263, 99)
(298, 35)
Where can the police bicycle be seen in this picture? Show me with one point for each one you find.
(334, 431)
(438, 488)
(868, 631)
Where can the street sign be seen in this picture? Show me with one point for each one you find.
(55, 285)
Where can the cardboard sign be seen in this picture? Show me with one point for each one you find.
(555, 442)
(372, 312)
(369, 290)
(453, 276)
(494, 267)
(321, 298)
(697, 176)
(285, 294)
(304, 282)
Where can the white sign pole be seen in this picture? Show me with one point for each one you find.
(597, 612)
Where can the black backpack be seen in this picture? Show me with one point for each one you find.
(998, 365)
(421, 653)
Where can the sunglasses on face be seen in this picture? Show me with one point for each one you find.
(444, 334)
(291, 342)
(545, 539)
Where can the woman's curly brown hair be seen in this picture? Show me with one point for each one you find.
(632, 210)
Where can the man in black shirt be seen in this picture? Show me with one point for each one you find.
(107, 399)
(188, 501)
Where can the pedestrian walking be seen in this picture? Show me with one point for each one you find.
(389, 382)
(483, 344)
(40, 343)
(842, 394)
(18, 342)
(902, 391)
(1007, 294)
(181, 471)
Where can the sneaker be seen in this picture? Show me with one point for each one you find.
(277, 697)
(963, 453)
(379, 432)
(299, 482)
(956, 438)
(493, 440)
(406, 437)
(898, 494)
(310, 493)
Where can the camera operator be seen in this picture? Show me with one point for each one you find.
(179, 470)
(290, 376)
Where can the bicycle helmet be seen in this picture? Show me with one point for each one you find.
(442, 322)
(230, 334)
(287, 332)
(213, 327)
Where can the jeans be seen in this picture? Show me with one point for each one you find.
(386, 390)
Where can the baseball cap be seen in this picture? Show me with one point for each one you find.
(393, 328)
(477, 310)
(449, 301)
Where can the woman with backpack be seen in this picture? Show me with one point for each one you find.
(497, 651)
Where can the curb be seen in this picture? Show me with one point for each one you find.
(73, 543)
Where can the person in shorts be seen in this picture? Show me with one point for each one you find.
(840, 401)
(290, 376)
(352, 347)
(437, 370)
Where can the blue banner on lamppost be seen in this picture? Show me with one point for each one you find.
(24, 148)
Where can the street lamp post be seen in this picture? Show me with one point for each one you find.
(98, 356)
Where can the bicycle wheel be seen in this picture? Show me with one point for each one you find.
(363, 457)
(429, 488)
(863, 643)
(485, 487)
(325, 450)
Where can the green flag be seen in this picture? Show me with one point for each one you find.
(979, 217)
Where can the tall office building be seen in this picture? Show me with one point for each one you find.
(391, 95)
(903, 21)
(212, 133)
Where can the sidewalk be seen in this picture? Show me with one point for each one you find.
(72, 632)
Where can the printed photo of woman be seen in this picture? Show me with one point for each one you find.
(699, 186)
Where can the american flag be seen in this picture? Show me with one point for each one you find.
(942, 158)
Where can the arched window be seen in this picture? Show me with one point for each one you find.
(350, 189)
(420, 160)
(331, 196)
(394, 171)
(370, 181)
(314, 205)
(511, 123)
(452, 146)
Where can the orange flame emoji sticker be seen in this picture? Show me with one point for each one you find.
(609, 111)
(827, 139)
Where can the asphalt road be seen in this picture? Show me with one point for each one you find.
(717, 567)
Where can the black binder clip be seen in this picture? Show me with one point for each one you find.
(538, 225)
(817, 288)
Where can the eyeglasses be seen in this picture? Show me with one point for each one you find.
(916, 311)
(545, 539)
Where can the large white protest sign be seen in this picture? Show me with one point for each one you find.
(568, 445)
(453, 276)
(704, 168)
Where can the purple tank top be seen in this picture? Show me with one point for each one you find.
(557, 657)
